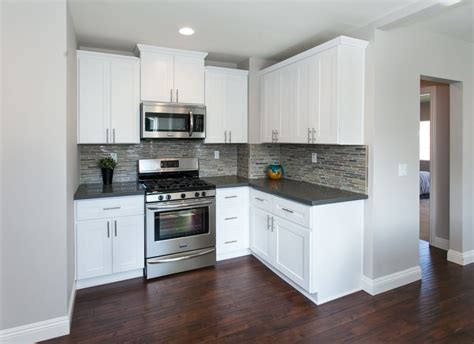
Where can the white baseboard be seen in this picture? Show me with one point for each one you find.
(233, 254)
(392, 281)
(461, 258)
(440, 243)
(121, 276)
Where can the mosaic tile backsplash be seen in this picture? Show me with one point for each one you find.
(343, 167)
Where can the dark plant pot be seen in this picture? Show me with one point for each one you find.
(107, 175)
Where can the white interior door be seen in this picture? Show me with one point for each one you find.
(156, 81)
(94, 248)
(125, 101)
(189, 79)
(291, 251)
(237, 108)
(261, 236)
(216, 106)
(128, 243)
(93, 100)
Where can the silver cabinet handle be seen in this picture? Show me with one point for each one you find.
(177, 259)
(287, 210)
(115, 227)
(231, 218)
(309, 135)
(268, 222)
(113, 133)
(276, 135)
(259, 199)
(112, 208)
(312, 135)
(225, 136)
(108, 229)
(171, 95)
(177, 101)
(273, 135)
(230, 136)
(107, 135)
(230, 242)
(273, 220)
(227, 197)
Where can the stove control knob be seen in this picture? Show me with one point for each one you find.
(203, 194)
(197, 194)
(183, 195)
(160, 197)
(168, 196)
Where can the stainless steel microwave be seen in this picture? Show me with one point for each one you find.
(172, 121)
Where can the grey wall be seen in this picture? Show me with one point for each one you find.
(33, 181)
(128, 155)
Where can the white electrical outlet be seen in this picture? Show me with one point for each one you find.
(402, 170)
(314, 157)
(113, 156)
(216, 155)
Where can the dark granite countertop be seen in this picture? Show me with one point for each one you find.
(303, 192)
(89, 191)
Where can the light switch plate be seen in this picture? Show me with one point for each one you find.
(402, 170)
(216, 155)
(113, 156)
(314, 157)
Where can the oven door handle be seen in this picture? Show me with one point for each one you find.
(178, 206)
(177, 259)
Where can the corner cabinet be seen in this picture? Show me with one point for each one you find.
(109, 239)
(226, 105)
(171, 75)
(316, 96)
(108, 98)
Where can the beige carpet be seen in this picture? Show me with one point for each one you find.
(425, 219)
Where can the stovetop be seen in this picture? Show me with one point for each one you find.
(168, 185)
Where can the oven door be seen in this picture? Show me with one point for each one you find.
(179, 226)
(172, 121)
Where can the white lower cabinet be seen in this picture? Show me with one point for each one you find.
(261, 237)
(111, 248)
(232, 221)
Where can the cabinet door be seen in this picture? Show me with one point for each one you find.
(237, 108)
(271, 108)
(260, 234)
(125, 101)
(328, 115)
(94, 248)
(156, 77)
(93, 100)
(128, 243)
(291, 251)
(289, 104)
(307, 116)
(189, 79)
(216, 106)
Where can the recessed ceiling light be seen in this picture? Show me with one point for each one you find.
(187, 31)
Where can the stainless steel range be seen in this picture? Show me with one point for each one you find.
(180, 216)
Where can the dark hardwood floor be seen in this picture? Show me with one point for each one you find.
(241, 301)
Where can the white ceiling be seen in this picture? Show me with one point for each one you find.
(230, 30)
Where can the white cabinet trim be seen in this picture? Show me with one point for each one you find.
(170, 51)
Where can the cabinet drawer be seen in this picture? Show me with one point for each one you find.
(231, 196)
(261, 200)
(232, 229)
(109, 207)
(292, 211)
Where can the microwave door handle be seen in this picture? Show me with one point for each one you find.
(191, 123)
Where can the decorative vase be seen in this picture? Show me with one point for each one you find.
(275, 171)
(107, 175)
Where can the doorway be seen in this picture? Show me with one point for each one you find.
(434, 163)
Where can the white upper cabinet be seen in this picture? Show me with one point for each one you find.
(171, 75)
(226, 105)
(316, 96)
(108, 98)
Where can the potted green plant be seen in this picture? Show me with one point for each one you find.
(107, 165)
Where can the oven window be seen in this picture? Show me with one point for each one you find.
(166, 122)
(181, 223)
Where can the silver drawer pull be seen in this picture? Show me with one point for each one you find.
(231, 218)
(230, 242)
(227, 197)
(177, 259)
(287, 210)
(112, 208)
(259, 199)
